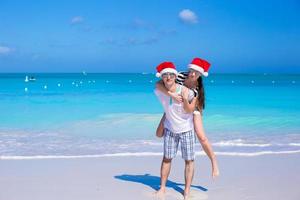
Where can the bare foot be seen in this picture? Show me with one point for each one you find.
(161, 193)
(186, 194)
(215, 170)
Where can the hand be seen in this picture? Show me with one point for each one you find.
(176, 97)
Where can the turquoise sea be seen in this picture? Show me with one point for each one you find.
(69, 115)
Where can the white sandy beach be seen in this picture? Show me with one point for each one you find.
(128, 178)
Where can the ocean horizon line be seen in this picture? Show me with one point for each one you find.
(145, 73)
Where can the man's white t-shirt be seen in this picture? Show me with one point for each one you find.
(177, 120)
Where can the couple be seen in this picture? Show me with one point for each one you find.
(182, 97)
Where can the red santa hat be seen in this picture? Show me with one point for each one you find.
(164, 68)
(200, 65)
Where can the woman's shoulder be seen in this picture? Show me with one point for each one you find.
(195, 92)
(181, 76)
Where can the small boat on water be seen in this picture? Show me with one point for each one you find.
(27, 79)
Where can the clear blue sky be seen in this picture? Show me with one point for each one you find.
(136, 35)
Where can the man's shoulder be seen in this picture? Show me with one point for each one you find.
(159, 93)
(181, 86)
(184, 87)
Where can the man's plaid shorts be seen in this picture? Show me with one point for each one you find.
(187, 142)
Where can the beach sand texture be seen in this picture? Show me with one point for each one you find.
(128, 178)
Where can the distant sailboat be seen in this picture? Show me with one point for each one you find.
(84, 73)
(32, 78)
(27, 79)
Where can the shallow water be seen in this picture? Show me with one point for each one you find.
(97, 114)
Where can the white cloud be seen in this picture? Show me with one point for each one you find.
(188, 16)
(77, 20)
(5, 50)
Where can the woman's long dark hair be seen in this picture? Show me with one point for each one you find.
(201, 95)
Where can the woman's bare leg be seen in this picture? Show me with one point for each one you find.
(160, 128)
(205, 144)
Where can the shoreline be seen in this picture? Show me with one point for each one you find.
(147, 154)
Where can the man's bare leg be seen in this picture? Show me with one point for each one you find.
(164, 174)
(188, 174)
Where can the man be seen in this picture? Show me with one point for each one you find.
(178, 127)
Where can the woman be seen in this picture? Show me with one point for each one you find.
(193, 80)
